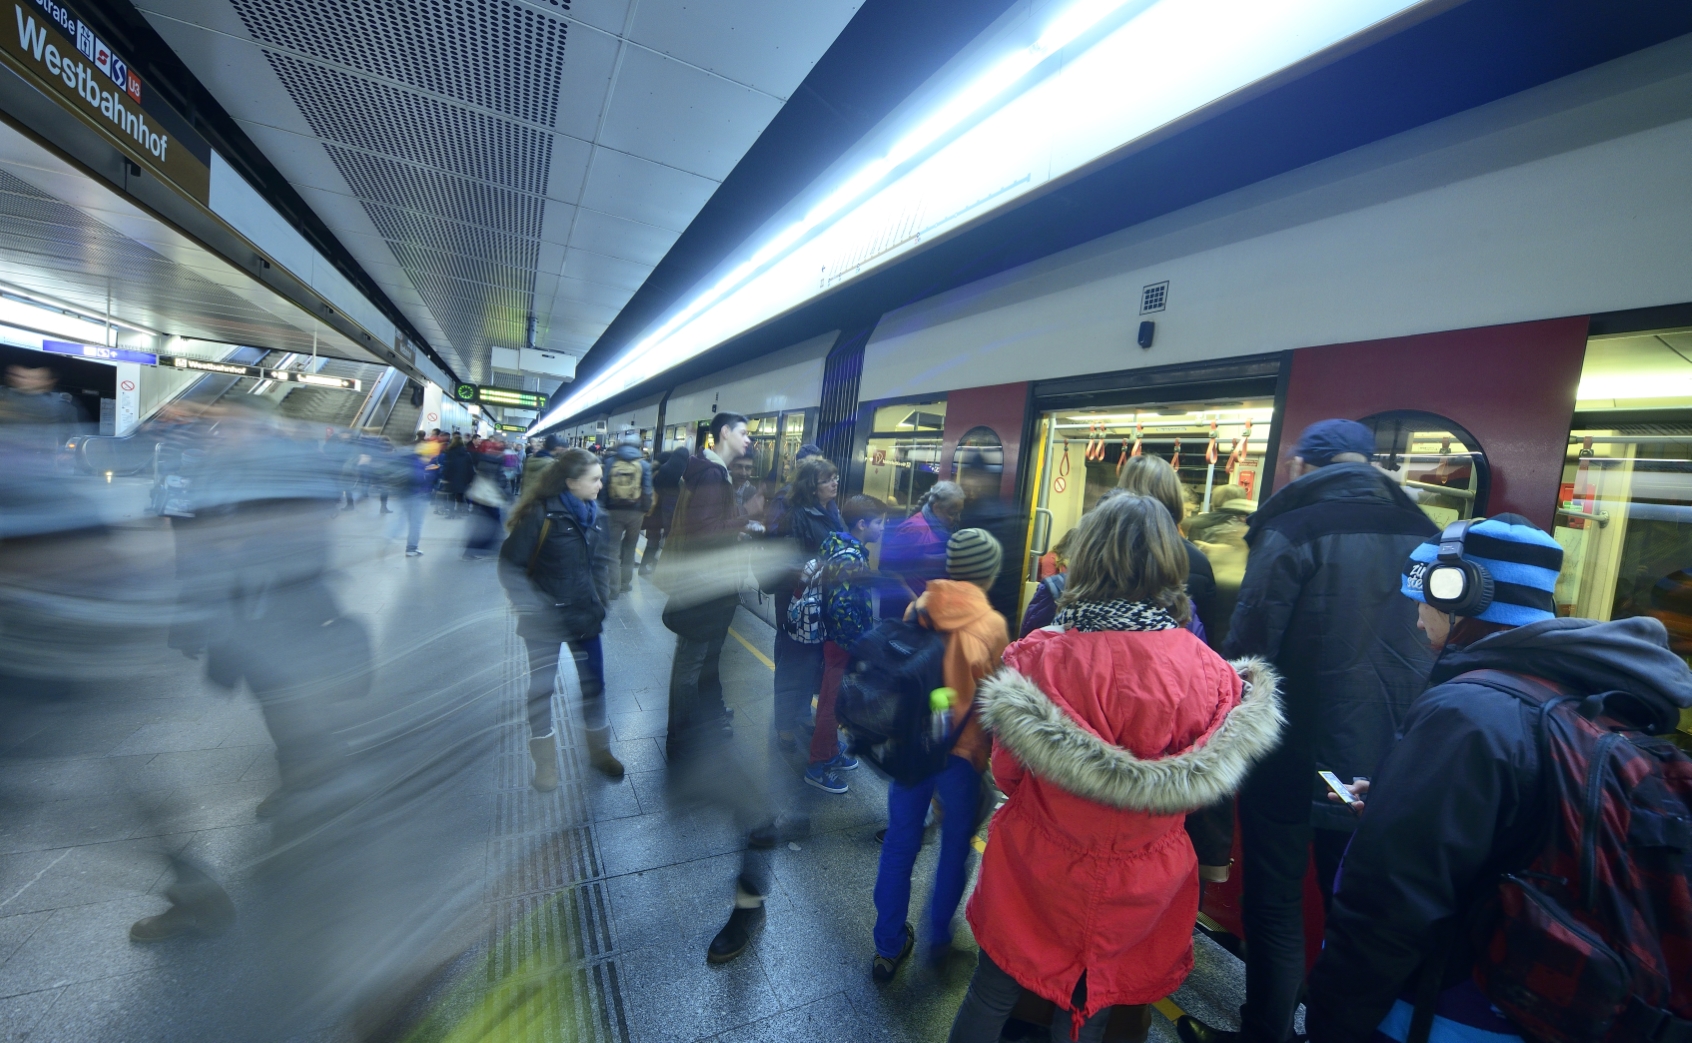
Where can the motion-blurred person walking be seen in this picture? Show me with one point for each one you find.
(556, 569)
(702, 570)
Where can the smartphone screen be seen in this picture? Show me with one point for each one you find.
(1337, 786)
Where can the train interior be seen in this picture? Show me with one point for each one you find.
(1624, 512)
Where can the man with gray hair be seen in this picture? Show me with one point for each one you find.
(915, 550)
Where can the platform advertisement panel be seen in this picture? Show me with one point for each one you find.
(60, 55)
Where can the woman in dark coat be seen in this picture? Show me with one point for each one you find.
(812, 516)
(457, 469)
(666, 486)
(556, 569)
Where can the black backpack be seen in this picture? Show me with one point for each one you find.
(884, 700)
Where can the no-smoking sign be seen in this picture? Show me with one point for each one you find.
(128, 385)
(432, 417)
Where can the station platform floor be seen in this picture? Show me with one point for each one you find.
(579, 915)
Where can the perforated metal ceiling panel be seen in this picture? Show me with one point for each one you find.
(493, 160)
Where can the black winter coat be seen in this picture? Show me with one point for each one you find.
(1201, 590)
(566, 595)
(1458, 800)
(1321, 601)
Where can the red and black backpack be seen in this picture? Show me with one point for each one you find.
(1592, 941)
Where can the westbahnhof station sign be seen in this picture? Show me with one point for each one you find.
(58, 54)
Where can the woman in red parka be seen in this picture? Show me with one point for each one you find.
(1109, 726)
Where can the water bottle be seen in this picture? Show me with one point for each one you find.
(940, 713)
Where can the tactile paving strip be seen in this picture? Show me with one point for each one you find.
(552, 967)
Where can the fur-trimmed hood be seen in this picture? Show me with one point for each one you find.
(1054, 747)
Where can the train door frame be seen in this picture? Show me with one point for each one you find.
(1263, 375)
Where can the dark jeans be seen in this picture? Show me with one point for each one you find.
(798, 673)
(992, 996)
(703, 763)
(696, 690)
(625, 533)
(543, 677)
(1276, 840)
(958, 787)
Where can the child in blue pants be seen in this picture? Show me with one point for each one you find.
(975, 641)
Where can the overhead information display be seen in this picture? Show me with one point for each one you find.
(495, 396)
(58, 54)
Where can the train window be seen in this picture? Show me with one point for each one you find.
(1624, 515)
(902, 454)
(1440, 465)
(795, 432)
(765, 431)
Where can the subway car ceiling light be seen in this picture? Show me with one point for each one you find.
(1100, 75)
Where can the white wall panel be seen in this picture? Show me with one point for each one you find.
(642, 415)
(787, 379)
(1566, 200)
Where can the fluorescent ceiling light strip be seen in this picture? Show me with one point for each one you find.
(1170, 59)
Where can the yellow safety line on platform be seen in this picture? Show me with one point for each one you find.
(762, 658)
(1168, 1009)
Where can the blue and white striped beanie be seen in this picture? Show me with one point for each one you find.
(1522, 559)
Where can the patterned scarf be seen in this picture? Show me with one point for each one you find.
(1088, 616)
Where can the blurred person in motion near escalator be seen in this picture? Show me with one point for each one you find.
(707, 556)
(35, 417)
(628, 498)
(1320, 600)
(556, 567)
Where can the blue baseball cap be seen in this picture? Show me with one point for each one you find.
(1326, 439)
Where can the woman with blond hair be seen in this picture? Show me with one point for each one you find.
(1152, 476)
(556, 569)
(1108, 726)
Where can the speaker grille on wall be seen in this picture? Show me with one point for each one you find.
(1154, 297)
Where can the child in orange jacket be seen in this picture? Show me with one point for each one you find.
(975, 640)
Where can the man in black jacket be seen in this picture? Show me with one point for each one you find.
(1460, 798)
(1320, 600)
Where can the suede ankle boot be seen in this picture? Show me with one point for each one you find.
(599, 753)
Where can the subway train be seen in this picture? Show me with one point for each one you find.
(1438, 286)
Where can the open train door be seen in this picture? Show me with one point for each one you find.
(1473, 422)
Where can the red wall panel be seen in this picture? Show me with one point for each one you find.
(998, 406)
(1512, 387)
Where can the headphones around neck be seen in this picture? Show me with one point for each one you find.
(1453, 584)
